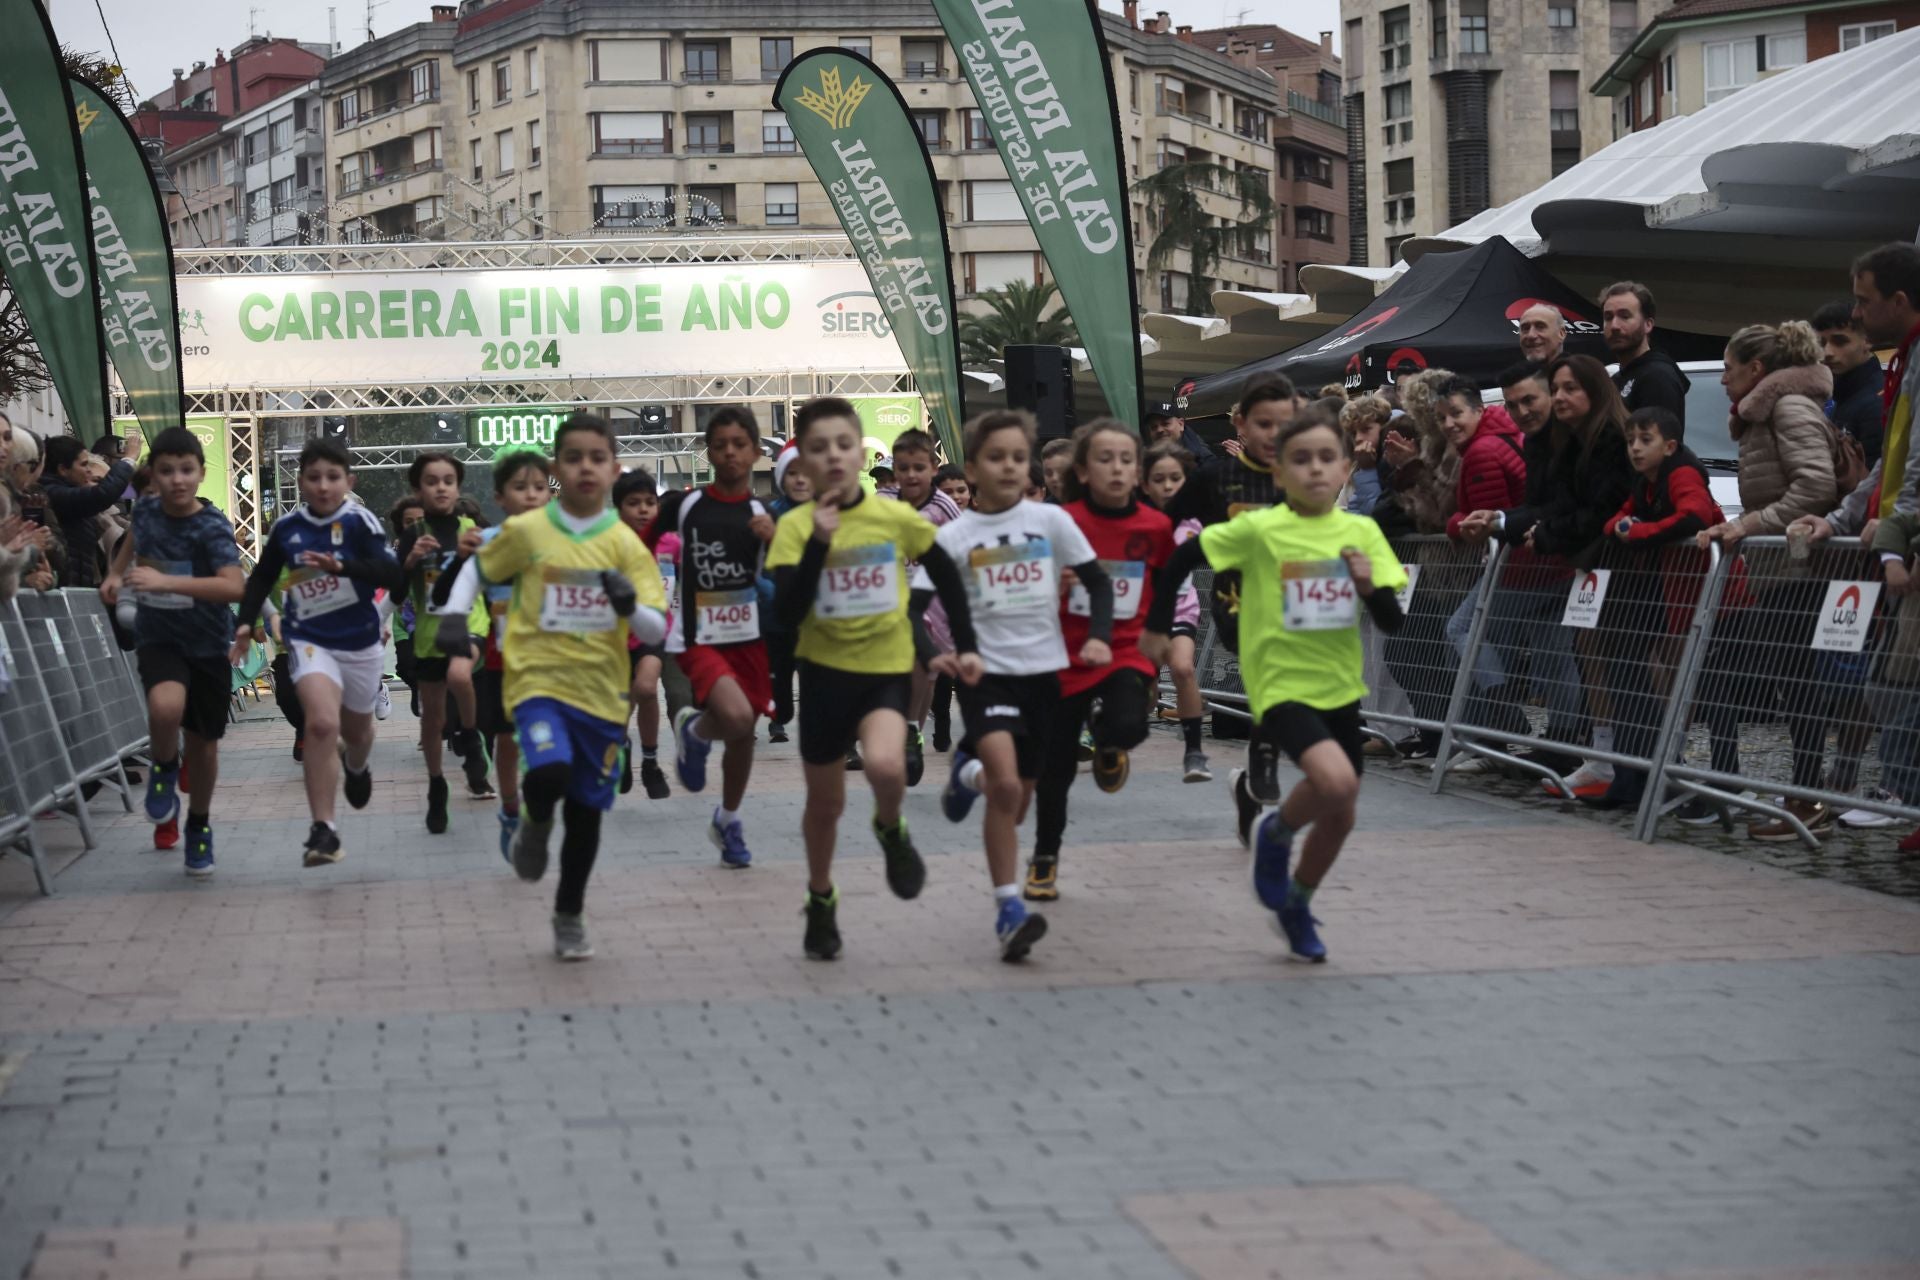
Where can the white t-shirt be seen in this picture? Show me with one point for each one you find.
(1011, 562)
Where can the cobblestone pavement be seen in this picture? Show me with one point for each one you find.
(1540, 1050)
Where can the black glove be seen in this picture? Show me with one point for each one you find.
(620, 593)
(452, 638)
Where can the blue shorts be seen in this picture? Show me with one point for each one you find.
(551, 732)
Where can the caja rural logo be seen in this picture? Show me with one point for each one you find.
(1576, 323)
(832, 103)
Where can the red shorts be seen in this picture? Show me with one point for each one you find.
(707, 665)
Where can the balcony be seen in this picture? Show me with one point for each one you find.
(926, 71)
(1334, 115)
(705, 148)
(633, 147)
(707, 75)
(385, 107)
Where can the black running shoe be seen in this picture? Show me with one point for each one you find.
(906, 871)
(854, 764)
(1246, 808)
(358, 786)
(916, 756)
(474, 761)
(1110, 768)
(323, 846)
(776, 732)
(1263, 771)
(437, 806)
(653, 779)
(942, 738)
(823, 930)
(299, 747)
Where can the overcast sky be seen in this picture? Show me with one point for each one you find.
(154, 36)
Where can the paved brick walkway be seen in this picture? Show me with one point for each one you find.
(1540, 1051)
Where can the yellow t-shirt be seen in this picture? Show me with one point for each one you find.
(859, 617)
(563, 640)
(1299, 613)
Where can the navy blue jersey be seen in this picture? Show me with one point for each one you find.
(334, 611)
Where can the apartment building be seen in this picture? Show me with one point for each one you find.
(1455, 106)
(1701, 51)
(564, 117)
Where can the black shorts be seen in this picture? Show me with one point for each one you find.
(644, 651)
(489, 703)
(209, 685)
(434, 670)
(1125, 697)
(1020, 705)
(1294, 727)
(834, 702)
(1187, 629)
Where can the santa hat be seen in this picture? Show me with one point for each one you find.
(780, 465)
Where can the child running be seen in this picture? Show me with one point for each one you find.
(636, 496)
(187, 577)
(841, 564)
(913, 472)
(950, 479)
(1168, 468)
(1011, 552)
(398, 608)
(1112, 700)
(333, 554)
(1305, 570)
(580, 581)
(723, 531)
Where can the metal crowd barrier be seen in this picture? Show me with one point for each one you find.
(71, 713)
(1751, 678)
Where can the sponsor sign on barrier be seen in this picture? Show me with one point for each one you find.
(1584, 598)
(1845, 615)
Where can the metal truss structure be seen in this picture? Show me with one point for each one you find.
(667, 249)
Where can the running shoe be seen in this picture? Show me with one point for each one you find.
(626, 768)
(689, 752)
(1196, 768)
(570, 941)
(1271, 850)
(823, 928)
(1696, 811)
(167, 834)
(958, 798)
(323, 846)
(942, 739)
(1086, 746)
(437, 806)
(1018, 929)
(1817, 818)
(854, 763)
(906, 871)
(776, 732)
(1043, 879)
(1246, 810)
(1263, 771)
(529, 850)
(1469, 762)
(731, 841)
(1303, 940)
(299, 747)
(1591, 780)
(382, 702)
(199, 852)
(358, 786)
(916, 756)
(474, 761)
(509, 823)
(163, 795)
(1867, 819)
(653, 780)
(1110, 769)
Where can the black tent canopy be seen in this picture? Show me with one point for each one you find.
(1458, 311)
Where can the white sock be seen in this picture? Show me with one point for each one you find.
(721, 817)
(333, 828)
(698, 731)
(971, 774)
(1001, 892)
(1603, 737)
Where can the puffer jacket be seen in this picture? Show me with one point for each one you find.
(1493, 471)
(1786, 449)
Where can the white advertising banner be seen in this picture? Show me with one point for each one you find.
(527, 325)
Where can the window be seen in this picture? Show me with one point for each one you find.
(1730, 66)
(1623, 15)
(709, 135)
(1256, 244)
(1251, 122)
(473, 157)
(502, 80)
(1666, 71)
(1176, 288)
(346, 109)
(1393, 247)
(282, 193)
(1397, 111)
(648, 205)
(1315, 169)
(776, 135)
(613, 61)
(536, 134)
(253, 148)
(508, 212)
(1564, 158)
(632, 133)
(783, 204)
(1437, 19)
(503, 150)
(1647, 114)
(1171, 96)
(932, 127)
(862, 45)
(775, 53)
(1563, 103)
(279, 136)
(922, 59)
(1133, 90)
(1856, 34)
(1313, 224)
(1398, 175)
(1785, 51)
(973, 127)
(349, 180)
(1396, 39)
(536, 204)
(473, 92)
(710, 206)
(994, 201)
(1171, 154)
(985, 271)
(533, 71)
(1561, 14)
(1473, 27)
(709, 61)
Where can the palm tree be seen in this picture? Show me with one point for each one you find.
(1016, 315)
(1173, 206)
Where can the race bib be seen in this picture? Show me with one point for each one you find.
(1014, 577)
(314, 595)
(575, 601)
(726, 617)
(167, 599)
(859, 582)
(1319, 596)
(1129, 584)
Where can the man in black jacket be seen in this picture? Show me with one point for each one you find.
(74, 499)
(1857, 376)
(1647, 379)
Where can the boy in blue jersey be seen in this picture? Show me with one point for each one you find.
(335, 555)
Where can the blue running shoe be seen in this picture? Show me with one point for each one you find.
(1018, 929)
(1297, 923)
(958, 797)
(689, 752)
(731, 841)
(1272, 846)
(509, 823)
(163, 795)
(199, 852)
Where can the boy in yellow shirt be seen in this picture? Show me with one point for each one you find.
(841, 565)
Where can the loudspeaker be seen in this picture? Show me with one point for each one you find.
(1040, 380)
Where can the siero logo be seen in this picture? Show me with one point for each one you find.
(1576, 323)
(1846, 610)
(853, 315)
(1360, 330)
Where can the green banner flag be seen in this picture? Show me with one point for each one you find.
(866, 152)
(46, 253)
(1041, 75)
(137, 309)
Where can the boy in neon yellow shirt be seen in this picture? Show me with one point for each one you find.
(1308, 568)
(581, 581)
